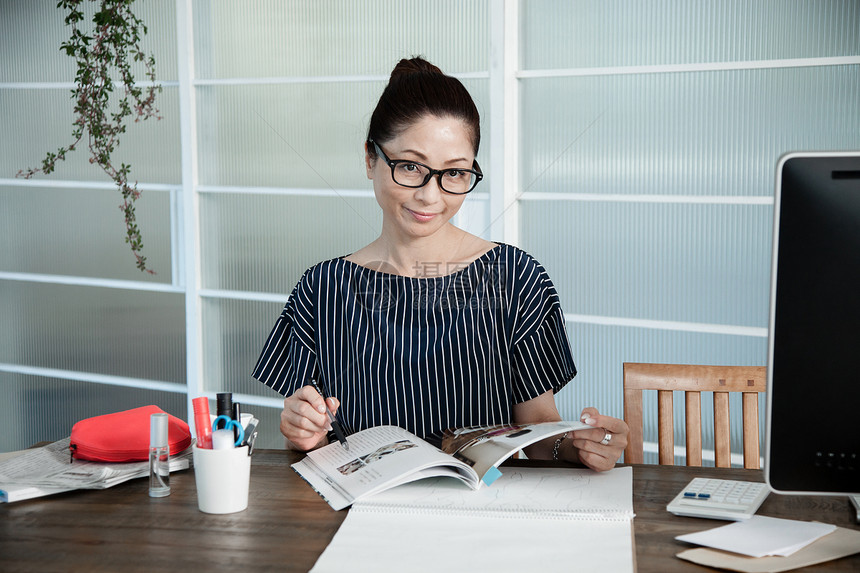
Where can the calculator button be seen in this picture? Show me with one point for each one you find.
(711, 503)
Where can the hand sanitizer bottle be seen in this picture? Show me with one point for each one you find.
(159, 454)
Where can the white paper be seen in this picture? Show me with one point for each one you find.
(530, 519)
(566, 493)
(46, 470)
(399, 542)
(9, 455)
(760, 536)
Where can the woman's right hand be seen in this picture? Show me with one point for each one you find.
(304, 421)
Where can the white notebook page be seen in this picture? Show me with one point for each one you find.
(547, 519)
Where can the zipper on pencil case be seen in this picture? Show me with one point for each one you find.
(109, 455)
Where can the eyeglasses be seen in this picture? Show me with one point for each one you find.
(413, 174)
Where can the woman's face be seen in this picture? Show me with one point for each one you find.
(408, 213)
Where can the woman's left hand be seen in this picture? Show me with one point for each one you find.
(601, 447)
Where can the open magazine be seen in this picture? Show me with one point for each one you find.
(382, 457)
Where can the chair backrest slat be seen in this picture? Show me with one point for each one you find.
(693, 414)
(666, 433)
(722, 431)
(750, 414)
(693, 379)
(633, 417)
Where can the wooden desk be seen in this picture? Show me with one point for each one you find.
(287, 526)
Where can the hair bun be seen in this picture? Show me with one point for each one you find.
(417, 89)
(416, 65)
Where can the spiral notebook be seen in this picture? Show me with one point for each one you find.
(530, 519)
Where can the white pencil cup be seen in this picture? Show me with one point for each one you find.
(222, 478)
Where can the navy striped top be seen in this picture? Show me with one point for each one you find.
(425, 354)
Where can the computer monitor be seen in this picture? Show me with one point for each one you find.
(813, 392)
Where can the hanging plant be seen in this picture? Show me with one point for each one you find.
(104, 56)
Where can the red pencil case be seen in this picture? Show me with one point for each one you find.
(124, 436)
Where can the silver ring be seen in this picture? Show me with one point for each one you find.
(607, 437)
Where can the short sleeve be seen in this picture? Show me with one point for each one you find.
(541, 356)
(288, 358)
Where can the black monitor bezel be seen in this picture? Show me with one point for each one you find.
(798, 486)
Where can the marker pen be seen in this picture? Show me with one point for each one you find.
(224, 401)
(202, 425)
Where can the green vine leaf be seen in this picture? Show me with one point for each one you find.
(107, 51)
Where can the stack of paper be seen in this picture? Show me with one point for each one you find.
(45, 471)
(760, 536)
(770, 545)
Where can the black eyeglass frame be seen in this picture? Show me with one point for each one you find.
(392, 163)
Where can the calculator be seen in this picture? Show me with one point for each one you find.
(733, 500)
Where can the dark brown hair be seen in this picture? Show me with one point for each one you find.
(418, 88)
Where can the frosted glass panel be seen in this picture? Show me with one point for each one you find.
(268, 431)
(89, 329)
(342, 37)
(708, 133)
(31, 32)
(37, 121)
(622, 33)
(265, 243)
(37, 409)
(474, 214)
(308, 135)
(81, 232)
(296, 135)
(600, 351)
(676, 262)
(234, 333)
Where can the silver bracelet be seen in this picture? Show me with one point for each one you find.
(557, 445)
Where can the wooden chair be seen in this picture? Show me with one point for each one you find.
(693, 379)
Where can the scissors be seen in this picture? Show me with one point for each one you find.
(251, 434)
(230, 423)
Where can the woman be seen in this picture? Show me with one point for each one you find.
(428, 327)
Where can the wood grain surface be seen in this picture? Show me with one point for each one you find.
(287, 526)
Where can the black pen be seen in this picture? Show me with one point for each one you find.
(236, 415)
(335, 425)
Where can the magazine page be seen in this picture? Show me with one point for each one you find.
(483, 448)
(378, 458)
